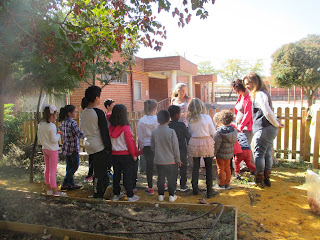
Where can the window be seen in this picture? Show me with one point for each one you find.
(137, 90)
(123, 79)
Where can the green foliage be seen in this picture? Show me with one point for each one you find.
(236, 68)
(297, 64)
(18, 155)
(205, 68)
(13, 126)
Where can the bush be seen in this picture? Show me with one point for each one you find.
(13, 126)
(19, 153)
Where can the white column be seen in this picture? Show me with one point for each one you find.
(190, 86)
(209, 92)
(173, 79)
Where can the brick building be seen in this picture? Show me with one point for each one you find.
(152, 78)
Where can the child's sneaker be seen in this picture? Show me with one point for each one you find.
(184, 188)
(60, 194)
(219, 187)
(172, 198)
(149, 191)
(161, 198)
(88, 179)
(49, 192)
(117, 197)
(227, 187)
(134, 198)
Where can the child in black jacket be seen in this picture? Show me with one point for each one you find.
(183, 135)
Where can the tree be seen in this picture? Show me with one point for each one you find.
(236, 68)
(79, 36)
(205, 68)
(298, 64)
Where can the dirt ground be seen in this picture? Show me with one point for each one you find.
(279, 212)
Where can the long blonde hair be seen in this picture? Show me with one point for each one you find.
(257, 83)
(195, 109)
(176, 90)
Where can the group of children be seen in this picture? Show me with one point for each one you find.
(108, 138)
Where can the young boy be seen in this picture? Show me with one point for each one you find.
(97, 141)
(244, 154)
(224, 138)
(108, 104)
(183, 135)
(164, 144)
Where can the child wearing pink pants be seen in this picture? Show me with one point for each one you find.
(49, 138)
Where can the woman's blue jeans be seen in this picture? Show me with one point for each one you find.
(263, 142)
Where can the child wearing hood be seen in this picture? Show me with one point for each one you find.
(224, 140)
(124, 153)
(146, 125)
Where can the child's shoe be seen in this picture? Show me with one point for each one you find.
(134, 198)
(161, 198)
(227, 187)
(88, 179)
(117, 197)
(184, 188)
(149, 191)
(60, 194)
(172, 198)
(49, 192)
(218, 187)
(76, 186)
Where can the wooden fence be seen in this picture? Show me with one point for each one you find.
(292, 142)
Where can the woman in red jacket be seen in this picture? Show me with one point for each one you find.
(243, 109)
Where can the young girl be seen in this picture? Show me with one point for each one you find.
(201, 143)
(48, 137)
(146, 125)
(123, 152)
(70, 144)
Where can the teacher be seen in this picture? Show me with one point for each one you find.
(265, 127)
(179, 98)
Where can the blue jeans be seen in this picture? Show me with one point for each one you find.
(263, 142)
(72, 162)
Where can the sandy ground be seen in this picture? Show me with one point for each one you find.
(279, 212)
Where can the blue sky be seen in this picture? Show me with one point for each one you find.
(242, 29)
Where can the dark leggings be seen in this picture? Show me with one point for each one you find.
(149, 158)
(195, 172)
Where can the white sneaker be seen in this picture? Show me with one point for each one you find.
(60, 194)
(172, 198)
(117, 197)
(218, 187)
(134, 198)
(161, 198)
(49, 192)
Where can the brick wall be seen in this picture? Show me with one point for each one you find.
(158, 88)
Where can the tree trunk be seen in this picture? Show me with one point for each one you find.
(34, 142)
(4, 71)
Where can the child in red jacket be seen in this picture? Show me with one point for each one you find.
(123, 153)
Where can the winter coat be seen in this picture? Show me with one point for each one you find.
(224, 140)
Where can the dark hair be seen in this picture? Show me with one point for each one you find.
(150, 105)
(225, 117)
(163, 116)
(108, 102)
(174, 111)
(92, 92)
(84, 103)
(119, 115)
(46, 114)
(237, 83)
(64, 112)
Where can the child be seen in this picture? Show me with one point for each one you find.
(183, 135)
(224, 138)
(145, 126)
(109, 104)
(164, 144)
(70, 144)
(49, 138)
(201, 143)
(97, 141)
(244, 155)
(123, 153)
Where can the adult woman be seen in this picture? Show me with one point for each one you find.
(265, 127)
(243, 109)
(179, 98)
